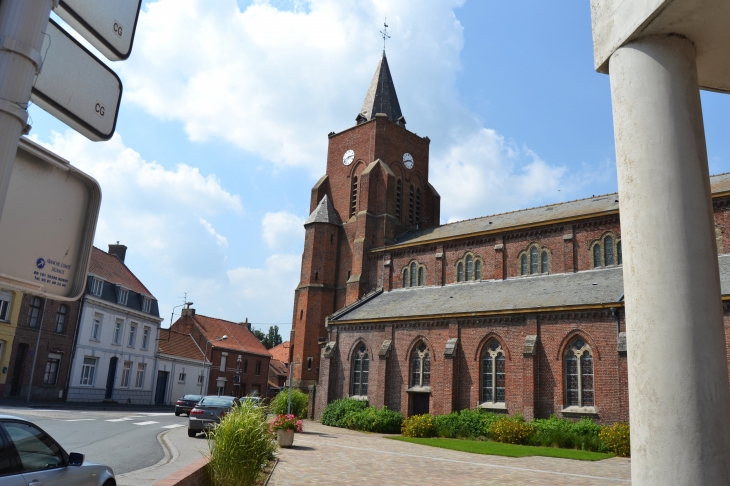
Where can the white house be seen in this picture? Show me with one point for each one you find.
(114, 357)
(180, 363)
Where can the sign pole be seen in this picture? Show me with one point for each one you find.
(37, 344)
(22, 27)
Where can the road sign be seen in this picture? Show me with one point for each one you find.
(48, 224)
(76, 87)
(108, 25)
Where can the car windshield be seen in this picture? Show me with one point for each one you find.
(192, 398)
(216, 402)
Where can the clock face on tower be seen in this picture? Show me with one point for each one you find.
(348, 157)
(408, 160)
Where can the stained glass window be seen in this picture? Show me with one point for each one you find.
(586, 378)
(413, 274)
(406, 279)
(608, 250)
(420, 276)
(544, 262)
(360, 366)
(420, 366)
(618, 253)
(571, 380)
(579, 389)
(523, 265)
(477, 270)
(493, 372)
(596, 255)
(469, 267)
(533, 260)
(460, 272)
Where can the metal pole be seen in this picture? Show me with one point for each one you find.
(22, 27)
(37, 344)
(205, 360)
(291, 372)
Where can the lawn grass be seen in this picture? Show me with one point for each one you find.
(500, 449)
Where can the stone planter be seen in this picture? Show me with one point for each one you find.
(285, 438)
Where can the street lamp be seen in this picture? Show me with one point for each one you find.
(205, 359)
(173, 310)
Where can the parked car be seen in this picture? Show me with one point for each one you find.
(30, 456)
(253, 400)
(208, 412)
(186, 404)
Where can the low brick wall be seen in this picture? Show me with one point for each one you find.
(193, 475)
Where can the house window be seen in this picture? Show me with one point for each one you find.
(122, 295)
(420, 366)
(353, 198)
(126, 373)
(97, 285)
(132, 335)
(117, 338)
(88, 370)
(224, 358)
(468, 268)
(221, 390)
(146, 304)
(579, 374)
(360, 365)
(61, 316)
(181, 376)
(200, 378)
(5, 299)
(309, 363)
(96, 326)
(51, 374)
(145, 337)
(245, 366)
(238, 364)
(35, 312)
(139, 379)
(258, 368)
(398, 198)
(493, 372)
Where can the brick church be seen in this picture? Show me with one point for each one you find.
(514, 312)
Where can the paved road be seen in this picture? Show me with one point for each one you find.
(125, 441)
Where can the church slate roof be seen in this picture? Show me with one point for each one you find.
(590, 207)
(381, 97)
(324, 213)
(587, 288)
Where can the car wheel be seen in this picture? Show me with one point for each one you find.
(192, 433)
(177, 414)
(109, 482)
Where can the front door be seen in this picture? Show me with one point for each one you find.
(17, 378)
(420, 403)
(110, 377)
(161, 387)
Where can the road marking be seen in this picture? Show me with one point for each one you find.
(120, 419)
(145, 423)
(76, 420)
(155, 414)
(173, 426)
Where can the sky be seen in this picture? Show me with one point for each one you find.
(227, 104)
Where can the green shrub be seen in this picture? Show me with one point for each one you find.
(299, 403)
(371, 419)
(334, 414)
(240, 447)
(511, 430)
(617, 438)
(418, 426)
(465, 424)
(564, 433)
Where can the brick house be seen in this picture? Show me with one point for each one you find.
(514, 312)
(237, 362)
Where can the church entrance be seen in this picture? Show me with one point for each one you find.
(419, 403)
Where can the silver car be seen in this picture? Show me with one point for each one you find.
(29, 457)
(208, 412)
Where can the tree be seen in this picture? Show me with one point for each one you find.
(259, 335)
(273, 338)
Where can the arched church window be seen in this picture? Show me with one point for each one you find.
(414, 274)
(418, 205)
(420, 366)
(608, 250)
(493, 372)
(478, 270)
(406, 278)
(523, 265)
(360, 367)
(579, 390)
(414, 269)
(398, 197)
(544, 262)
(420, 276)
(469, 267)
(533, 260)
(597, 255)
(353, 199)
(460, 272)
(411, 206)
(619, 257)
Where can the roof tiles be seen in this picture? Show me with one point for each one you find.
(114, 271)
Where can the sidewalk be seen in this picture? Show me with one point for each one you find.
(101, 406)
(329, 455)
(180, 451)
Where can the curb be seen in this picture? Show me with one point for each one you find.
(171, 455)
(271, 473)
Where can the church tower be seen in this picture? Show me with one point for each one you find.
(375, 189)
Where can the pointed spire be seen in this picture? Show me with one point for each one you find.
(381, 97)
(323, 213)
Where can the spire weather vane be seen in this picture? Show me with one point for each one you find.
(384, 32)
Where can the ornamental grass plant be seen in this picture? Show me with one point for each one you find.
(299, 403)
(241, 446)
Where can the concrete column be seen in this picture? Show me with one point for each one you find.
(678, 378)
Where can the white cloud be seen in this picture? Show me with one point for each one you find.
(222, 241)
(282, 230)
(281, 271)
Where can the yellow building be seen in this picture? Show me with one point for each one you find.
(10, 301)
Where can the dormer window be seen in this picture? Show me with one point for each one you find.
(122, 295)
(146, 304)
(97, 285)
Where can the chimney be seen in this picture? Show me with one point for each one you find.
(247, 324)
(120, 251)
(188, 311)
